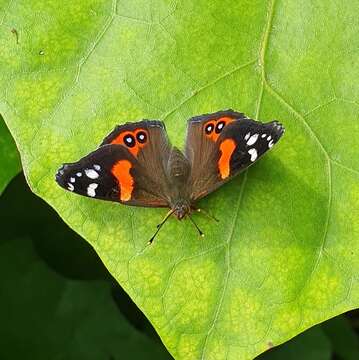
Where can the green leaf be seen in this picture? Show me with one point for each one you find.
(285, 254)
(9, 156)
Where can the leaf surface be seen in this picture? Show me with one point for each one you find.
(285, 255)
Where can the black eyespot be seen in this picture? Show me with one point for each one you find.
(209, 128)
(141, 137)
(129, 141)
(220, 127)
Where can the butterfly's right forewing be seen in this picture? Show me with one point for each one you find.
(222, 144)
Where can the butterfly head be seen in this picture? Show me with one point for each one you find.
(181, 209)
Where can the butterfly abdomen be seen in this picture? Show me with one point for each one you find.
(178, 170)
(178, 167)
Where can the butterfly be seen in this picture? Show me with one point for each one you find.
(136, 164)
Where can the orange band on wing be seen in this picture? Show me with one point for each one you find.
(121, 171)
(227, 147)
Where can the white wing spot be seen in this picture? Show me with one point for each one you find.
(78, 174)
(91, 189)
(70, 187)
(72, 179)
(253, 153)
(269, 138)
(92, 174)
(271, 143)
(247, 136)
(252, 140)
(97, 167)
(263, 136)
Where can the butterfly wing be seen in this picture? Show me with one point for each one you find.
(128, 167)
(222, 144)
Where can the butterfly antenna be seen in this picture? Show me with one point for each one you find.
(206, 213)
(196, 226)
(159, 226)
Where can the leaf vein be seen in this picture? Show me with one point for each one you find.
(329, 176)
(220, 302)
(98, 38)
(204, 87)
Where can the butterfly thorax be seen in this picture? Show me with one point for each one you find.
(181, 209)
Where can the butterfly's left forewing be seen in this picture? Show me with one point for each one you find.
(128, 167)
(222, 144)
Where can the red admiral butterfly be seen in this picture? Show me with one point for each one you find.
(136, 164)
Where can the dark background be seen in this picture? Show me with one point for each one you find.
(57, 300)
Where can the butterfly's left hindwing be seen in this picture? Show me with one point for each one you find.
(222, 144)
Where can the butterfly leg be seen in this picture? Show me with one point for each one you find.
(206, 213)
(201, 234)
(170, 212)
(159, 226)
